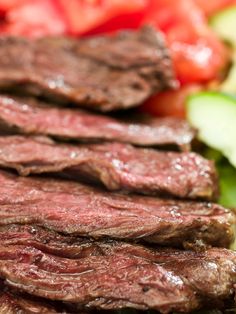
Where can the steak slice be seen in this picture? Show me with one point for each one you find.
(110, 282)
(29, 116)
(86, 211)
(103, 73)
(13, 304)
(118, 166)
(115, 275)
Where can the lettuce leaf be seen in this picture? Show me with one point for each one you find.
(227, 176)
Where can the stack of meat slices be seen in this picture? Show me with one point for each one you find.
(113, 221)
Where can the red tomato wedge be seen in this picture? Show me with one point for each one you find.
(45, 17)
(169, 14)
(201, 61)
(130, 20)
(84, 15)
(6, 5)
(33, 18)
(170, 103)
(212, 6)
(197, 53)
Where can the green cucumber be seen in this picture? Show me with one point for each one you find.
(214, 115)
(224, 24)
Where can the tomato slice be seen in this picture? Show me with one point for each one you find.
(170, 103)
(6, 5)
(130, 20)
(85, 15)
(34, 18)
(197, 53)
(199, 62)
(169, 14)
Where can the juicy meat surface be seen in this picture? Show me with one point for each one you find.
(86, 211)
(86, 272)
(29, 116)
(95, 281)
(103, 73)
(13, 304)
(118, 166)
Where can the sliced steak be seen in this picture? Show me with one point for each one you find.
(13, 304)
(123, 276)
(190, 265)
(118, 166)
(86, 211)
(29, 116)
(49, 241)
(110, 282)
(102, 73)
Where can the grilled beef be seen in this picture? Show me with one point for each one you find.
(113, 275)
(54, 233)
(77, 209)
(29, 116)
(118, 166)
(102, 73)
(13, 304)
(110, 282)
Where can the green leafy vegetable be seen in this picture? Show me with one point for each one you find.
(228, 185)
(227, 177)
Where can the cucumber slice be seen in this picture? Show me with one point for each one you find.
(214, 115)
(224, 24)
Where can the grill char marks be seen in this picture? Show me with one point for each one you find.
(124, 71)
(117, 166)
(81, 210)
(162, 279)
(29, 116)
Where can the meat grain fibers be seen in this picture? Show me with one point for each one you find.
(77, 209)
(117, 166)
(116, 275)
(30, 116)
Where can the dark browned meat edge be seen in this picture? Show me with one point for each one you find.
(117, 166)
(30, 116)
(103, 73)
(113, 275)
